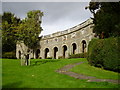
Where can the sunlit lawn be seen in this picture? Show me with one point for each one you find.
(41, 74)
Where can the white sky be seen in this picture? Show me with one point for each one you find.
(58, 16)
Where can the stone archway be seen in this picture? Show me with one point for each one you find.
(84, 46)
(74, 47)
(55, 53)
(19, 54)
(37, 53)
(64, 51)
(46, 53)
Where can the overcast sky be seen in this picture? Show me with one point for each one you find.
(58, 16)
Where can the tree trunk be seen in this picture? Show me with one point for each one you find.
(25, 61)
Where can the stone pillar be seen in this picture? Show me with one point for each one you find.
(57, 55)
(80, 47)
(60, 51)
(42, 54)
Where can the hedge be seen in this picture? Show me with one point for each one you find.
(104, 53)
(60, 57)
(10, 55)
(80, 55)
(49, 58)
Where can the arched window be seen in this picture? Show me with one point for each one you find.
(37, 53)
(19, 55)
(84, 45)
(46, 52)
(64, 51)
(74, 47)
(55, 52)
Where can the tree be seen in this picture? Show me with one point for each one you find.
(9, 24)
(0, 36)
(106, 18)
(19, 31)
(28, 31)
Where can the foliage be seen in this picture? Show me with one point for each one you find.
(44, 75)
(0, 36)
(9, 24)
(49, 57)
(60, 57)
(80, 55)
(104, 53)
(106, 18)
(10, 55)
(29, 30)
(26, 30)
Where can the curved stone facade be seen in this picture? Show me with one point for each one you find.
(64, 43)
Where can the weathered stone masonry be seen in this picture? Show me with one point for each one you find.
(64, 43)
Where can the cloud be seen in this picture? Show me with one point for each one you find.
(57, 15)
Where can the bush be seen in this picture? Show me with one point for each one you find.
(104, 53)
(60, 57)
(10, 55)
(80, 55)
(49, 57)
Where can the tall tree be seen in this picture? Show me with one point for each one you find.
(28, 31)
(106, 18)
(9, 24)
(0, 36)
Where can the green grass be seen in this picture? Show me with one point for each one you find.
(88, 70)
(41, 74)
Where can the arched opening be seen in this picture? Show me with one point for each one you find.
(84, 45)
(74, 48)
(19, 55)
(64, 51)
(46, 52)
(37, 53)
(55, 52)
(26, 59)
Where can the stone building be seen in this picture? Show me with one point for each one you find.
(62, 44)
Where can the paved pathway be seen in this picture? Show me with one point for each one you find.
(65, 70)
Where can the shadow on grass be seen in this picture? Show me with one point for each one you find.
(34, 63)
(12, 85)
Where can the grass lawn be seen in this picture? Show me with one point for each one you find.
(100, 73)
(41, 74)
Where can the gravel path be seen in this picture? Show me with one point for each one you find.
(65, 70)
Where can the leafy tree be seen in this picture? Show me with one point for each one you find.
(106, 18)
(15, 31)
(0, 36)
(28, 31)
(9, 24)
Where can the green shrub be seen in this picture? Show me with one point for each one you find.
(60, 57)
(80, 55)
(104, 53)
(10, 55)
(49, 57)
